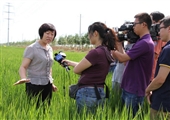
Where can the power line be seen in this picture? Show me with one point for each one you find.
(31, 9)
(8, 18)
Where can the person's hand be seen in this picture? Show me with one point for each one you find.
(148, 95)
(67, 62)
(54, 88)
(22, 81)
(119, 43)
(113, 53)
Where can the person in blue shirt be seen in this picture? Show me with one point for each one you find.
(158, 91)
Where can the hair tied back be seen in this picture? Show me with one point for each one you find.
(107, 30)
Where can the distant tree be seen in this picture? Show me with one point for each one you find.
(62, 41)
(54, 42)
(70, 39)
(85, 40)
(77, 39)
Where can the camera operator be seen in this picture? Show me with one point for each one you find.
(36, 67)
(156, 16)
(94, 67)
(139, 64)
(158, 91)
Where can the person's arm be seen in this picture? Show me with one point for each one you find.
(54, 88)
(22, 71)
(23, 68)
(78, 66)
(120, 53)
(81, 66)
(51, 71)
(158, 81)
(70, 63)
(119, 47)
(120, 56)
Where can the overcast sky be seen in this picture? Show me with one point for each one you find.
(27, 15)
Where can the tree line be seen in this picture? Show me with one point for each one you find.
(62, 40)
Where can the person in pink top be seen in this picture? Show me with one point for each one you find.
(156, 16)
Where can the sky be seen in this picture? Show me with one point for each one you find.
(26, 16)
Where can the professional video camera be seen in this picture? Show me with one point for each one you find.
(59, 57)
(154, 32)
(125, 32)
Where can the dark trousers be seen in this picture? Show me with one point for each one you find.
(40, 92)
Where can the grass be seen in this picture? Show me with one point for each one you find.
(14, 104)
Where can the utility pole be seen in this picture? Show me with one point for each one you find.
(80, 27)
(81, 46)
(8, 18)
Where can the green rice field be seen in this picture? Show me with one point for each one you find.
(15, 106)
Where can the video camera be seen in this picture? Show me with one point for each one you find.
(59, 57)
(126, 32)
(154, 32)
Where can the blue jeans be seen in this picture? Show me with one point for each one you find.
(132, 101)
(86, 98)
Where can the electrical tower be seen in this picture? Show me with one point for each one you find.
(8, 18)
